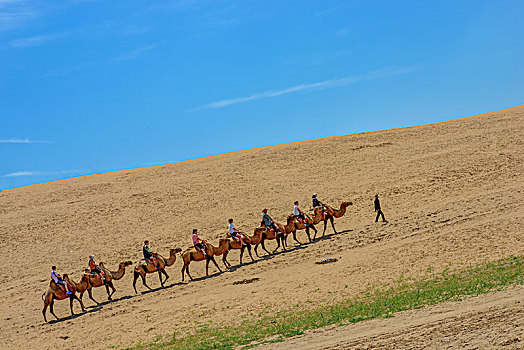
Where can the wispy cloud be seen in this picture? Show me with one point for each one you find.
(378, 74)
(14, 13)
(330, 10)
(34, 40)
(66, 70)
(126, 57)
(41, 173)
(343, 31)
(23, 141)
(135, 53)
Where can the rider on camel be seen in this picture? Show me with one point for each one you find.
(58, 279)
(268, 221)
(95, 268)
(299, 214)
(149, 255)
(236, 234)
(198, 243)
(317, 203)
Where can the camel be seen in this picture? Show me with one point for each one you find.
(234, 244)
(312, 221)
(289, 227)
(191, 254)
(143, 267)
(95, 280)
(334, 213)
(54, 292)
(281, 235)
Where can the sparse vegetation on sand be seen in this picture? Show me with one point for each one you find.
(449, 285)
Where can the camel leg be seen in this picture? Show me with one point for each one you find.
(256, 251)
(295, 237)
(80, 301)
(144, 281)
(187, 271)
(160, 278)
(107, 291)
(110, 284)
(278, 244)
(51, 304)
(283, 240)
(249, 251)
(165, 274)
(263, 247)
(90, 293)
(307, 233)
(214, 261)
(314, 229)
(242, 253)
(43, 311)
(325, 225)
(186, 268)
(135, 277)
(112, 287)
(332, 219)
(71, 298)
(224, 260)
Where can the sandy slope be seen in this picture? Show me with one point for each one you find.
(494, 321)
(453, 193)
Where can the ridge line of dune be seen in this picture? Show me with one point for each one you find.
(269, 146)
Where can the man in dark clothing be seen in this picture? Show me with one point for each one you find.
(268, 221)
(316, 202)
(379, 210)
(149, 255)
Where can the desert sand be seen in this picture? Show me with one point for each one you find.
(452, 192)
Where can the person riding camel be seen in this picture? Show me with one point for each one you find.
(236, 234)
(149, 255)
(58, 279)
(198, 243)
(95, 268)
(299, 214)
(317, 203)
(268, 221)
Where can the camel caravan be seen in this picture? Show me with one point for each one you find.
(62, 287)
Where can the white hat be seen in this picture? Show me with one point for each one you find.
(91, 257)
(314, 194)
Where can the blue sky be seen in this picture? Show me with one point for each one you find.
(92, 86)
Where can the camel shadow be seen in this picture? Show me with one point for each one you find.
(275, 254)
(101, 304)
(203, 278)
(331, 235)
(71, 317)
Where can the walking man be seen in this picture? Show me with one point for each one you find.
(379, 210)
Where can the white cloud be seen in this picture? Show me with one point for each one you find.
(34, 40)
(23, 141)
(383, 73)
(14, 13)
(41, 173)
(22, 173)
(328, 11)
(343, 31)
(135, 53)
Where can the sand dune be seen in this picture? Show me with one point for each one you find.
(453, 193)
